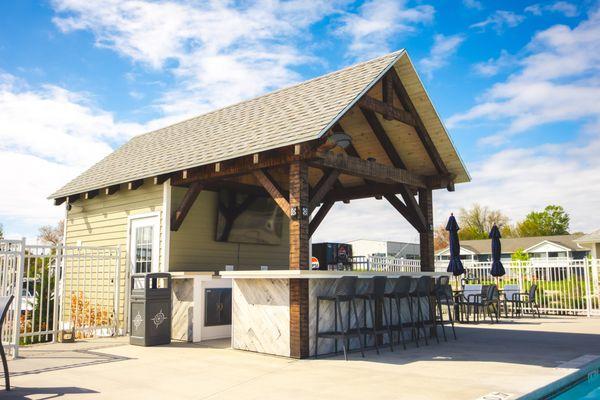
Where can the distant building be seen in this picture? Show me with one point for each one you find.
(591, 241)
(367, 248)
(538, 247)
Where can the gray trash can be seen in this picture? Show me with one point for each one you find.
(150, 309)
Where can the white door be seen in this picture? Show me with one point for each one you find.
(144, 244)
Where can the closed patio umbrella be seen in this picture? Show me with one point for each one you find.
(455, 266)
(497, 267)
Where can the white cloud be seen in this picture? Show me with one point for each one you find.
(378, 21)
(47, 135)
(493, 66)
(443, 48)
(500, 20)
(519, 180)
(557, 80)
(563, 7)
(474, 4)
(219, 52)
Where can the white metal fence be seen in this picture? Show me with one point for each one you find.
(564, 286)
(74, 288)
(383, 263)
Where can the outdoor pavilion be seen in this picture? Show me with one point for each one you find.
(366, 131)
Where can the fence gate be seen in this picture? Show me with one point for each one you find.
(74, 288)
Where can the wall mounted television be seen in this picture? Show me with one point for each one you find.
(242, 218)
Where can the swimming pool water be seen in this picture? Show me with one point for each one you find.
(588, 389)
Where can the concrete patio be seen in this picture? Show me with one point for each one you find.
(514, 357)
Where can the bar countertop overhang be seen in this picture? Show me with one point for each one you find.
(263, 306)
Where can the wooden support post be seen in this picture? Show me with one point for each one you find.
(426, 236)
(299, 252)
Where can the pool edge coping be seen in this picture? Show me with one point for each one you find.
(551, 388)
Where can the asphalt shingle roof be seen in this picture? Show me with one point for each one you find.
(288, 116)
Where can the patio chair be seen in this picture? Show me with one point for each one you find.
(4, 305)
(530, 300)
(510, 296)
(443, 294)
(491, 301)
(467, 300)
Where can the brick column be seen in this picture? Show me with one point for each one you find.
(299, 259)
(426, 238)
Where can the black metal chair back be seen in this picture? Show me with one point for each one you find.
(377, 286)
(532, 292)
(402, 286)
(443, 280)
(424, 286)
(492, 293)
(414, 283)
(345, 286)
(4, 305)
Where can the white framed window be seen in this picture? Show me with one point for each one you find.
(144, 253)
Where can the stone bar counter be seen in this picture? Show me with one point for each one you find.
(261, 308)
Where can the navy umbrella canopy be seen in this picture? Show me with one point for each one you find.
(455, 266)
(497, 267)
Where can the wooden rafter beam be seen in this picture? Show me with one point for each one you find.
(371, 189)
(73, 198)
(319, 216)
(323, 186)
(186, 204)
(426, 140)
(160, 179)
(91, 194)
(112, 190)
(396, 160)
(387, 94)
(240, 166)
(406, 212)
(273, 188)
(368, 169)
(383, 138)
(134, 185)
(389, 112)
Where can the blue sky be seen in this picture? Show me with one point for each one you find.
(516, 82)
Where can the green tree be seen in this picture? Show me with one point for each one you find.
(553, 220)
(476, 222)
(519, 255)
(1, 232)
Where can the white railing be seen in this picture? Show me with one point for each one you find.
(77, 288)
(564, 286)
(385, 263)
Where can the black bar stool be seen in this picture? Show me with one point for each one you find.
(443, 294)
(422, 289)
(373, 299)
(344, 292)
(400, 291)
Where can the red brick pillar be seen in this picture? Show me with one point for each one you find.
(426, 237)
(299, 242)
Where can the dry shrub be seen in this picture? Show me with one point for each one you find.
(85, 316)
